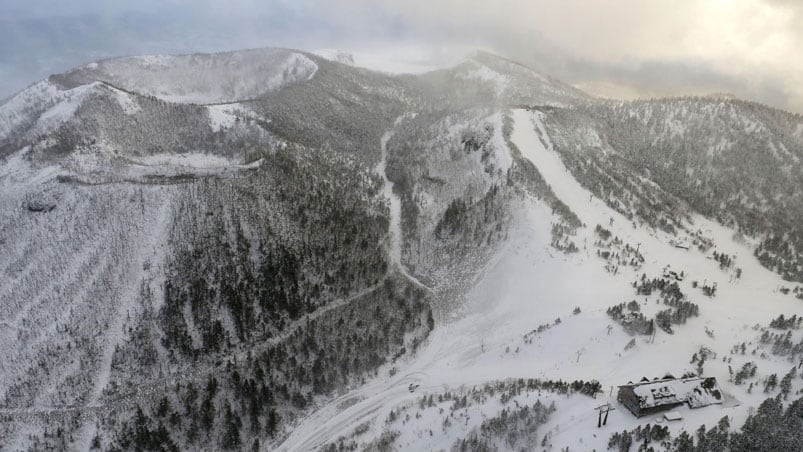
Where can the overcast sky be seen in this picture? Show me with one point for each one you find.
(750, 48)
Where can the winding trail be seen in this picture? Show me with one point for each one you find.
(395, 229)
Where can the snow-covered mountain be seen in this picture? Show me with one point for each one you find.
(269, 249)
(200, 78)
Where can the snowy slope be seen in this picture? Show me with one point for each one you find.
(25, 105)
(71, 285)
(41, 108)
(529, 284)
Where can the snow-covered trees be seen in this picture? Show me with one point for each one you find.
(771, 428)
(785, 323)
(735, 161)
(634, 322)
(512, 429)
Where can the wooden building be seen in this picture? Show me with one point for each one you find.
(652, 396)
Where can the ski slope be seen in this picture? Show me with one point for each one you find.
(527, 284)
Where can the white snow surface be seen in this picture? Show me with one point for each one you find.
(222, 117)
(127, 103)
(395, 230)
(396, 60)
(395, 205)
(147, 261)
(74, 275)
(65, 109)
(18, 109)
(528, 283)
(674, 390)
(42, 104)
(188, 160)
(206, 78)
(478, 71)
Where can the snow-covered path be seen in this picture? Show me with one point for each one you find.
(529, 284)
(395, 230)
(395, 203)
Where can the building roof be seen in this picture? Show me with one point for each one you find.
(696, 391)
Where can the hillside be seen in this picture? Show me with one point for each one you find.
(537, 317)
(732, 161)
(288, 252)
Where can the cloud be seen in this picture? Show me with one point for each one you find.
(747, 47)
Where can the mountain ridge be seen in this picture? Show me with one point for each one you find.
(288, 269)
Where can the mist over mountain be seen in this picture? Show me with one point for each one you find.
(275, 249)
(620, 49)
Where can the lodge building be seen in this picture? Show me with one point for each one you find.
(652, 396)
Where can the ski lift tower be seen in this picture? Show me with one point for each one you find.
(606, 408)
